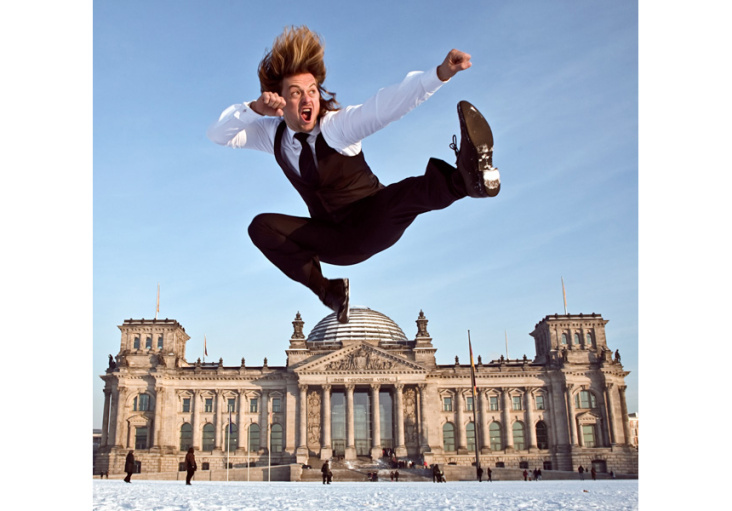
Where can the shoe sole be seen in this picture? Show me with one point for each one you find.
(479, 134)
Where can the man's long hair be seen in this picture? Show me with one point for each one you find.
(297, 50)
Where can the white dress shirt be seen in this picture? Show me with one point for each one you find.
(241, 127)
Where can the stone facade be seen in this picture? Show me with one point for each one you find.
(363, 389)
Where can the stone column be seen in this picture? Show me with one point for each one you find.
(196, 420)
(462, 441)
(241, 437)
(483, 418)
(121, 433)
(326, 449)
(424, 438)
(157, 427)
(105, 417)
(571, 419)
(375, 422)
(624, 414)
(264, 422)
(303, 400)
(507, 431)
(401, 448)
(530, 431)
(218, 419)
(350, 425)
(609, 432)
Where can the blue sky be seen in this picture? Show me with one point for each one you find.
(557, 81)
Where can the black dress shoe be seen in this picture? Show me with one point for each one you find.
(475, 157)
(336, 296)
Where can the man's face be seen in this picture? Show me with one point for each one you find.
(302, 99)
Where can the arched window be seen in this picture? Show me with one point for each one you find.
(518, 436)
(494, 434)
(448, 437)
(585, 399)
(141, 403)
(186, 436)
(208, 437)
(160, 341)
(254, 438)
(141, 437)
(542, 435)
(231, 437)
(564, 339)
(276, 438)
(136, 344)
(470, 436)
(590, 341)
(577, 339)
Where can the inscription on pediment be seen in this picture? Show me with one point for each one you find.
(362, 359)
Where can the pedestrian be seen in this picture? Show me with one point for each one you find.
(526, 474)
(318, 146)
(129, 466)
(581, 471)
(435, 473)
(538, 474)
(391, 476)
(327, 474)
(480, 474)
(594, 474)
(190, 465)
(396, 476)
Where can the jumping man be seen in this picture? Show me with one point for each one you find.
(318, 146)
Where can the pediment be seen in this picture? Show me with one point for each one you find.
(587, 418)
(361, 358)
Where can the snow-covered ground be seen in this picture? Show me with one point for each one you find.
(116, 495)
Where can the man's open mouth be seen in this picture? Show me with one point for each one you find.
(307, 114)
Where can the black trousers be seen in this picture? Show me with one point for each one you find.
(297, 245)
(189, 475)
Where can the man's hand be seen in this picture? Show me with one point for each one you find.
(455, 62)
(270, 104)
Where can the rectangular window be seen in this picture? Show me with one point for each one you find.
(187, 404)
(540, 402)
(231, 405)
(253, 405)
(447, 404)
(160, 341)
(141, 437)
(516, 402)
(276, 404)
(148, 342)
(494, 403)
(588, 435)
(469, 403)
(209, 405)
(136, 344)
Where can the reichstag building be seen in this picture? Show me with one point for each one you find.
(362, 390)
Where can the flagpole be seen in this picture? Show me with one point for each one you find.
(269, 442)
(564, 296)
(476, 428)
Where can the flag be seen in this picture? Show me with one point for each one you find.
(205, 351)
(564, 295)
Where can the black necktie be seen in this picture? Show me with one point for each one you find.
(308, 170)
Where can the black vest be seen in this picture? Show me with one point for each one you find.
(342, 180)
